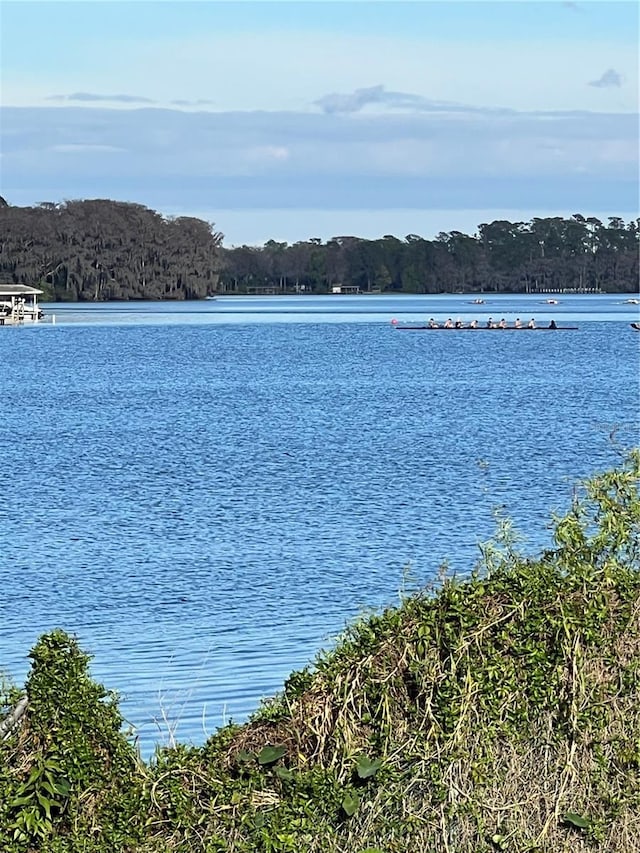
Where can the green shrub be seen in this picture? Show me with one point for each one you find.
(496, 713)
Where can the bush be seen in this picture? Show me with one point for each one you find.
(500, 712)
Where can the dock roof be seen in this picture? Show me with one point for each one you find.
(18, 290)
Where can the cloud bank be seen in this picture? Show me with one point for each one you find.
(372, 148)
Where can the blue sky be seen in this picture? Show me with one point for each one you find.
(296, 119)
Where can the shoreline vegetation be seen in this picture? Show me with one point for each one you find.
(100, 250)
(498, 712)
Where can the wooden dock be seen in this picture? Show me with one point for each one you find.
(19, 305)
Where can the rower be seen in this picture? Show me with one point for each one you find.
(518, 323)
(531, 324)
(458, 323)
(473, 324)
(433, 324)
(490, 323)
(502, 324)
(552, 325)
(449, 324)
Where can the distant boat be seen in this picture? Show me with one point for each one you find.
(631, 302)
(477, 302)
(550, 302)
(635, 326)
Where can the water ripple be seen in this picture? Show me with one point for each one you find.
(205, 506)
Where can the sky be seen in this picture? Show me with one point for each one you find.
(297, 119)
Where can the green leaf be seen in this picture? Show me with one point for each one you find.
(270, 754)
(35, 774)
(283, 773)
(366, 768)
(577, 820)
(63, 787)
(57, 789)
(245, 757)
(350, 803)
(46, 804)
(21, 801)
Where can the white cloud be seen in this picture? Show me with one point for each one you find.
(354, 102)
(90, 98)
(80, 148)
(608, 79)
(268, 153)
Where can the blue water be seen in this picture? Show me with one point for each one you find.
(205, 493)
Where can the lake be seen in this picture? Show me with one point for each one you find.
(205, 493)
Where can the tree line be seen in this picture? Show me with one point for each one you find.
(547, 254)
(106, 250)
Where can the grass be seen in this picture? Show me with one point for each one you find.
(500, 712)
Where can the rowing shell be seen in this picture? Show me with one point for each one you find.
(492, 329)
(635, 326)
